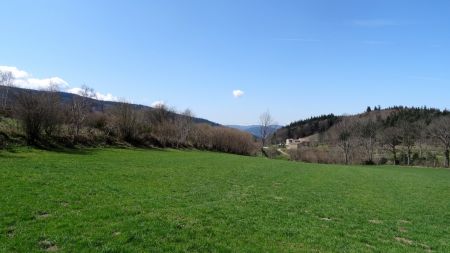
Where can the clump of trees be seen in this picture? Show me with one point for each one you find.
(397, 135)
(303, 128)
(40, 113)
(48, 118)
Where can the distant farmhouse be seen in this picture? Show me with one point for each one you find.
(297, 143)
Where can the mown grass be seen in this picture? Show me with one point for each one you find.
(115, 200)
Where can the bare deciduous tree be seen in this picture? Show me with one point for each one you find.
(265, 123)
(391, 139)
(79, 109)
(409, 134)
(368, 138)
(184, 123)
(201, 136)
(38, 112)
(127, 121)
(160, 113)
(344, 135)
(232, 141)
(439, 129)
(30, 112)
(7, 81)
(51, 103)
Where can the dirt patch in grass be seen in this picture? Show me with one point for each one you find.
(48, 246)
(10, 232)
(375, 221)
(371, 247)
(42, 215)
(402, 229)
(404, 240)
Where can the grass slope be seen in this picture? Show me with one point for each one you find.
(170, 201)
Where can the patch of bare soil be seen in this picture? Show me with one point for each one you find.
(402, 229)
(42, 215)
(10, 232)
(375, 221)
(48, 246)
(404, 240)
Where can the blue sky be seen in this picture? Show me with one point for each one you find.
(295, 58)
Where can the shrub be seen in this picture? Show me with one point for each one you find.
(383, 160)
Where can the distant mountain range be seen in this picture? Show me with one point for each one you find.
(255, 130)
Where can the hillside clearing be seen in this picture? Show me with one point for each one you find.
(118, 200)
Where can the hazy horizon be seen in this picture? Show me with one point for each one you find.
(229, 61)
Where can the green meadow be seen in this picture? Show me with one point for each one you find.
(132, 200)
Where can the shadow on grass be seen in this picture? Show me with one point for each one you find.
(16, 151)
(72, 151)
(137, 148)
(10, 155)
(67, 147)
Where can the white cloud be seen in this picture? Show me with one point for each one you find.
(158, 103)
(106, 97)
(24, 80)
(74, 91)
(17, 73)
(238, 93)
(98, 95)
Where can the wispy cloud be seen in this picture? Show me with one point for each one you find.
(23, 79)
(238, 93)
(374, 23)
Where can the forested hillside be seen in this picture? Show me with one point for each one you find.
(398, 135)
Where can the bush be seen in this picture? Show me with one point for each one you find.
(271, 152)
(368, 162)
(3, 140)
(383, 160)
(314, 155)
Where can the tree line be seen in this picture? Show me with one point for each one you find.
(307, 127)
(43, 118)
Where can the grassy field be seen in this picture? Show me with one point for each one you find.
(187, 201)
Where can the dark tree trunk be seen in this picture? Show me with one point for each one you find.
(447, 157)
(409, 156)
(394, 152)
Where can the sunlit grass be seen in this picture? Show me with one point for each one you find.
(117, 200)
